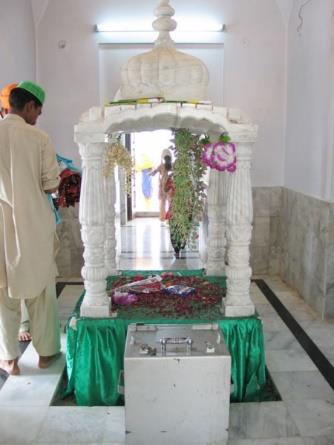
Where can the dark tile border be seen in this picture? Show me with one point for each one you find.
(312, 350)
(61, 284)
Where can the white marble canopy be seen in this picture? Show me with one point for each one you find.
(200, 118)
(230, 210)
(166, 72)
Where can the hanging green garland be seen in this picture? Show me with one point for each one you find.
(189, 195)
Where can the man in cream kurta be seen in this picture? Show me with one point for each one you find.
(24, 332)
(28, 171)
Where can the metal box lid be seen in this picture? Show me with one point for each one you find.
(168, 340)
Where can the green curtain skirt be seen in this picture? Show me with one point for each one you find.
(95, 349)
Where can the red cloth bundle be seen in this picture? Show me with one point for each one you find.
(69, 188)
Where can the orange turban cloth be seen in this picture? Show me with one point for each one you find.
(4, 95)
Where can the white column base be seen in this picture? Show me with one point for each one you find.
(239, 311)
(97, 311)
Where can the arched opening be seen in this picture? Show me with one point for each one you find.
(230, 210)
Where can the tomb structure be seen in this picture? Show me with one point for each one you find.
(180, 82)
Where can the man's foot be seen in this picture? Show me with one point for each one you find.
(10, 366)
(45, 361)
(24, 336)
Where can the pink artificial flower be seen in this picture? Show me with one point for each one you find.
(220, 156)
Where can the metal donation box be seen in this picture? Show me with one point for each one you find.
(177, 385)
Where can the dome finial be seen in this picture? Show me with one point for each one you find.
(164, 24)
(164, 71)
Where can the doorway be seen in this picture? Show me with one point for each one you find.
(147, 148)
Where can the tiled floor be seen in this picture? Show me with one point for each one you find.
(305, 416)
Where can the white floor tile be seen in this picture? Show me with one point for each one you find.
(302, 385)
(274, 441)
(67, 425)
(114, 428)
(282, 339)
(34, 387)
(313, 417)
(20, 425)
(321, 440)
(261, 420)
(289, 360)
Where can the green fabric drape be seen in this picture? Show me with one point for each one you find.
(95, 349)
(244, 340)
(183, 273)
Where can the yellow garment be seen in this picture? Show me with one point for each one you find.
(28, 166)
(44, 323)
(145, 163)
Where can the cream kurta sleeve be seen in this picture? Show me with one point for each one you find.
(49, 167)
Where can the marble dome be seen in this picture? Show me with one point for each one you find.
(164, 71)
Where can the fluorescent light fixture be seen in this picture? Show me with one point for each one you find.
(188, 31)
(149, 37)
(181, 27)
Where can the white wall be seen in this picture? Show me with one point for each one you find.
(253, 66)
(285, 6)
(309, 134)
(17, 41)
(254, 79)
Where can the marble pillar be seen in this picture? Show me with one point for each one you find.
(93, 230)
(110, 238)
(239, 217)
(216, 207)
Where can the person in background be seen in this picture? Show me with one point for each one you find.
(28, 173)
(24, 333)
(164, 170)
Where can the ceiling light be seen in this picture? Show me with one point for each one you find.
(181, 27)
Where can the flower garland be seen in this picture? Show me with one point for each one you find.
(220, 155)
(189, 196)
(205, 302)
(117, 154)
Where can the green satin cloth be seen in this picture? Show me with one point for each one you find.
(95, 349)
